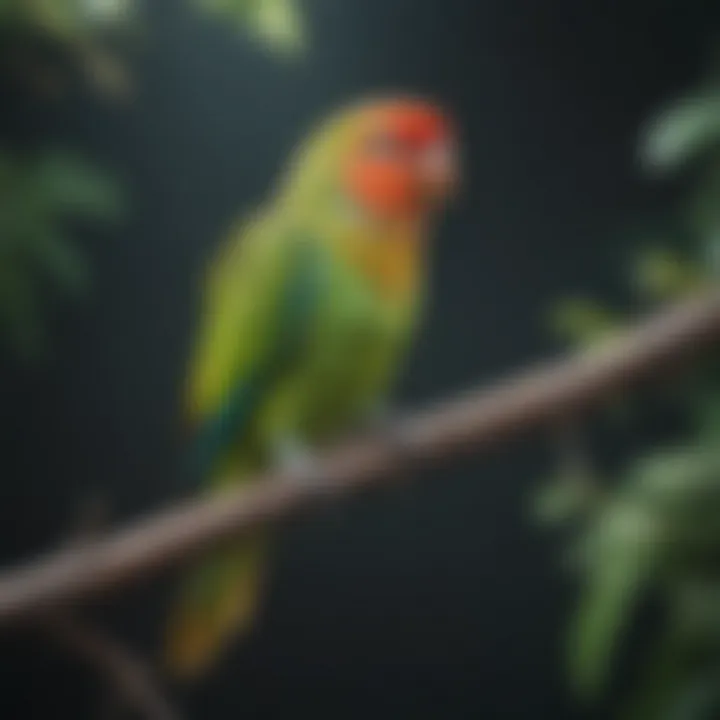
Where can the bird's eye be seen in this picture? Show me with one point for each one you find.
(382, 146)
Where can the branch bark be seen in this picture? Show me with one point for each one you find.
(130, 683)
(541, 396)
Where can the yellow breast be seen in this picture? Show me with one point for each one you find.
(392, 262)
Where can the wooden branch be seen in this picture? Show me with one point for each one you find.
(130, 683)
(477, 419)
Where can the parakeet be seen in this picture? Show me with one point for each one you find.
(308, 310)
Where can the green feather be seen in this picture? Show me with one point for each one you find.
(227, 425)
(297, 339)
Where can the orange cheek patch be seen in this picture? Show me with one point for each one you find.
(381, 187)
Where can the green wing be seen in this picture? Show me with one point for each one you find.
(261, 294)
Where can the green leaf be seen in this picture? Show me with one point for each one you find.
(679, 134)
(72, 187)
(36, 199)
(278, 23)
(663, 677)
(6, 10)
(682, 483)
(582, 322)
(661, 274)
(622, 555)
(105, 13)
(60, 20)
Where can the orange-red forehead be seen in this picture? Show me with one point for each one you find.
(412, 123)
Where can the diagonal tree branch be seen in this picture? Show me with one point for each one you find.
(130, 683)
(541, 396)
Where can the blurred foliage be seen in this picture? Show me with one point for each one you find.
(39, 197)
(44, 194)
(655, 532)
(686, 131)
(46, 46)
(276, 22)
(46, 43)
(584, 321)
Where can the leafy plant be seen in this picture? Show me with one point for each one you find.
(276, 22)
(45, 44)
(39, 199)
(657, 530)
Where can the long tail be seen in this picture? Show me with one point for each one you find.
(217, 604)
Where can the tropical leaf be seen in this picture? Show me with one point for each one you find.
(582, 322)
(662, 680)
(72, 187)
(623, 553)
(682, 486)
(59, 19)
(106, 13)
(279, 23)
(661, 275)
(682, 132)
(658, 529)
(38, 199)
(6, 10)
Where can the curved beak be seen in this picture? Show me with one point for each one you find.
(439, 169)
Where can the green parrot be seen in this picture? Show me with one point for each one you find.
(308, 310)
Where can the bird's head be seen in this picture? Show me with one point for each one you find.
(400, 159)
(392, 158)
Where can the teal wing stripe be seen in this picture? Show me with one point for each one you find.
(295, 312)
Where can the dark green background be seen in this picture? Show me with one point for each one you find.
(437, 600)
